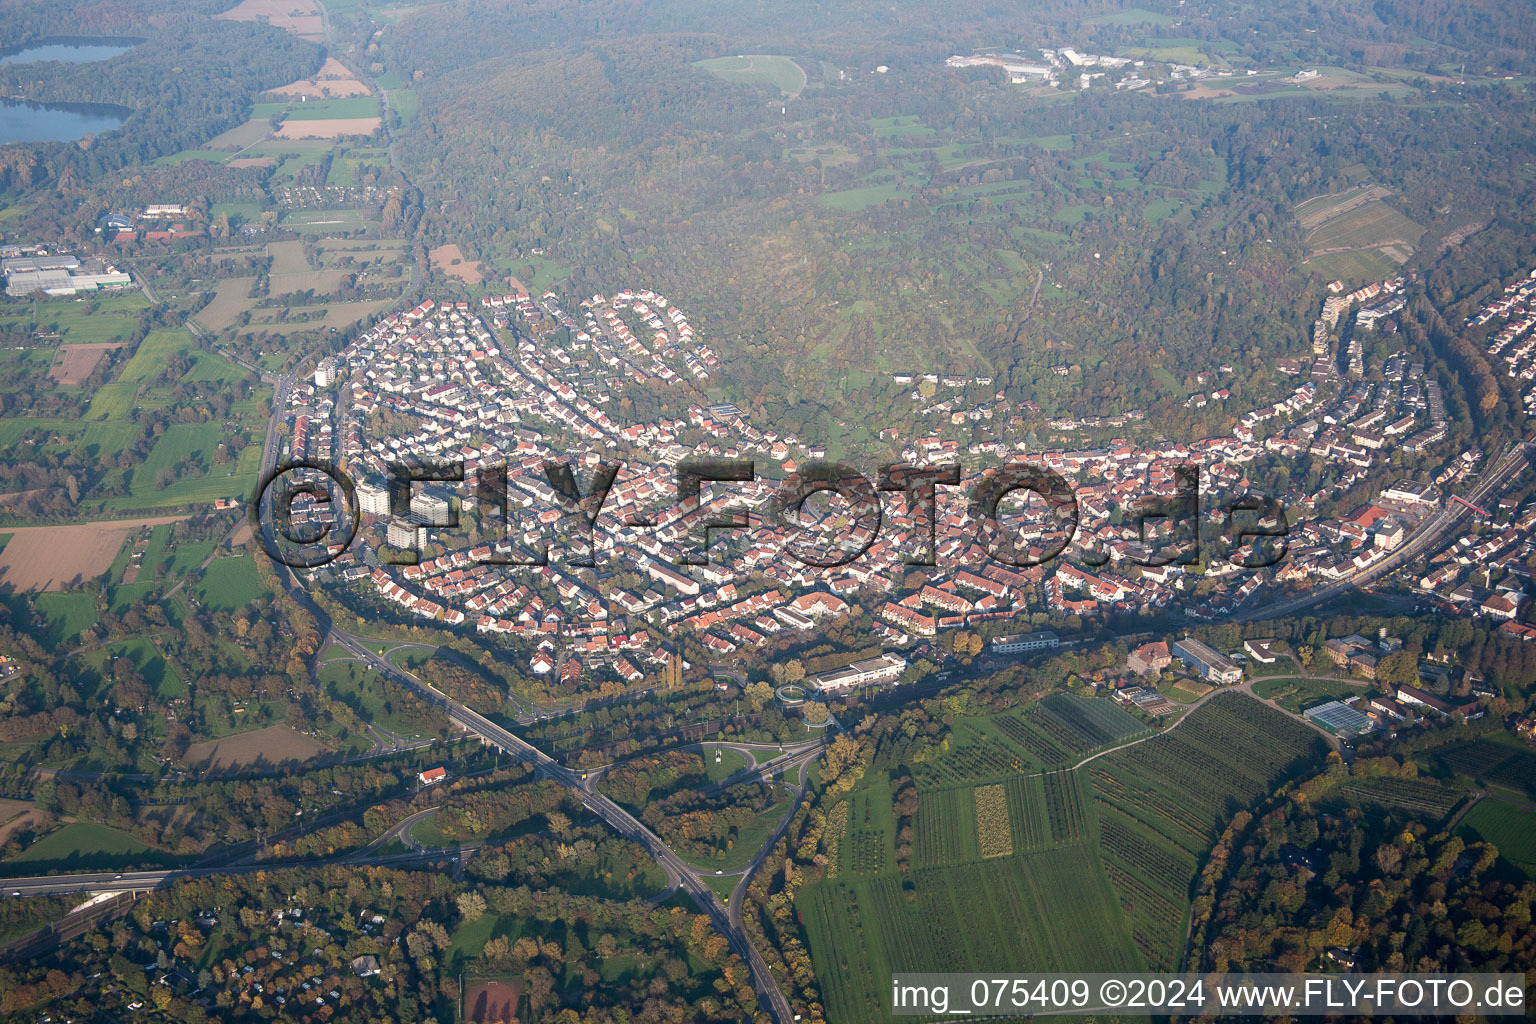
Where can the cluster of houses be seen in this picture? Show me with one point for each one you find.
(514, 381)
(1510, 339)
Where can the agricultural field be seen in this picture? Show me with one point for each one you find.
(332, 80)
(301, 17)
(1161, 804)
(1356, 233)
(327, 128)
(1425, 798)
(232, 298)
(333, 109)
(74, 363)
(1490, 763)
(1057, 732)
(780, 72)
(451, 261)
(994, 835)
(1510, 827)
(1045, 911)
(271, 745)
(1005, 866)
(365, 262)
(50, 557)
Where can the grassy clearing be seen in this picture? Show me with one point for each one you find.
(1131, 16)
(323, 110)
(731, 762)
(853, 200)
(150, 357)
(780, 72)
(377, 700)
(1296, 695)
(66, 614)
(151, 666)
(229, 584)
(80, 841)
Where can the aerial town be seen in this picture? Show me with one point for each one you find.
(519, 380)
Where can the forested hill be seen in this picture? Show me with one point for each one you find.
(868, 222)
(191, 79)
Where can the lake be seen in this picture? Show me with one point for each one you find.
(68, 52)
(24, 121)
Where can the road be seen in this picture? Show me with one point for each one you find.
(144, 881)
(1431, 534)
(627, 825)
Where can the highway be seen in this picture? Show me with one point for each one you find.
(686, 876)
(144, 881)
(1432, 533)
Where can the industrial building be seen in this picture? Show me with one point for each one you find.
(885, 669)
(60, 274)
(1209, 664)
(1341, 719)
(1018, 643)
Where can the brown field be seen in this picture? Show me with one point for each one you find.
(333, 80)
(300, 17)
(47, 557)
(517, 286)
(73, 363)
(322, 281)
(232, 299)
(16, 816)
(288, 258)
(274, 745)
(490, 1002)
(328, 128)
(443, 258)
(253, 161)
(351, 245)
(337, 315)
